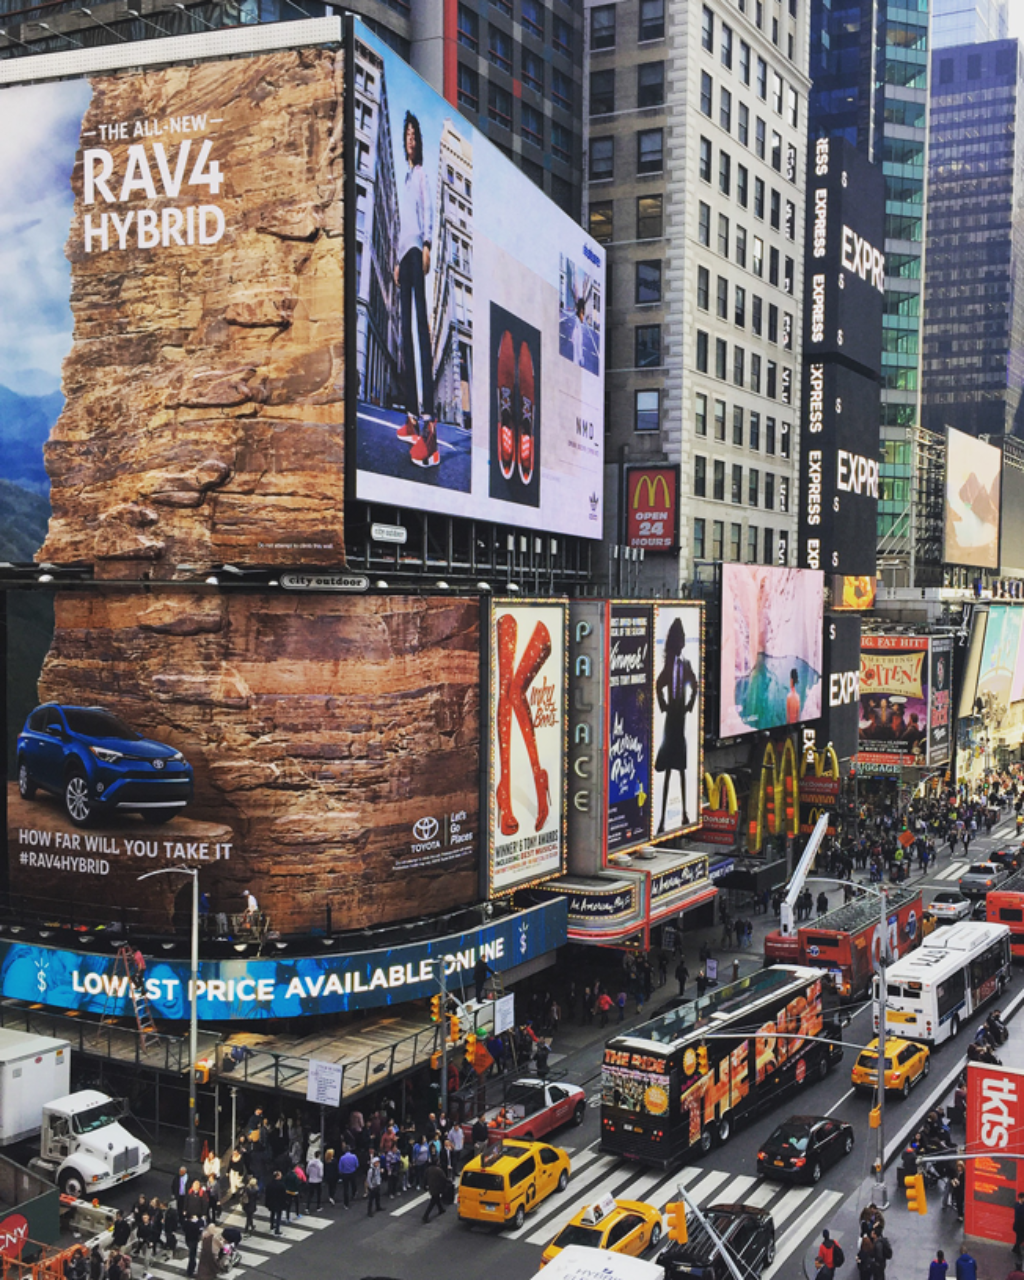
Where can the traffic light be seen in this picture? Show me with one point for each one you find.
(453, 1027)
(675, 1215)
(435, 1008)
(435, 1060)
(915, 1193)
(875, 1118)
(471, 1047)
(702, 1059)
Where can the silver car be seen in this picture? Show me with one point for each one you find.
(980, 878)
(948, 906)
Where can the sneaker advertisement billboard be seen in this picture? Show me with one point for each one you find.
(480, 322)
(526, 757)
(319, 753)
(171, 321)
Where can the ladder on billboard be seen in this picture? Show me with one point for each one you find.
(136, 988)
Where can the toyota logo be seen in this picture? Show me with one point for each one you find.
(425, 828)
(158, 764)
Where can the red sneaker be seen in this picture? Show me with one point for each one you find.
(425, 452)
(527, 410)
(410, 429)
(506, 422)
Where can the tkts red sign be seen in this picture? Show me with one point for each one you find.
(995, 1115)
(652, 508)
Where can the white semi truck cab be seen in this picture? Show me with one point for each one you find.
(84, 1148)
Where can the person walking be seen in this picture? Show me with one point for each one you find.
(825, 1261)
(436, 1184)
(275, 1197)
(209, 1254)
(373, 1181)
(314, 1182)
(966, 1266)
(682, 973)
(179, 1188)
(866, 1259)
(192, 1231)
(702, 982)
(348, 1167)
(292, 1186)
(939, 1266)
(250, 1201)
(332, 1175)
(883, 1253)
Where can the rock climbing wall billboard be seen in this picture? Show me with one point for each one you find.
(171, 315)
(315, 750)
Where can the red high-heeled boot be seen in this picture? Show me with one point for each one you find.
(534, 656)
(506, 665)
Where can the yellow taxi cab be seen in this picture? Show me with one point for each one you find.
(906, 1062)
(510, 1178)
(621, 1226)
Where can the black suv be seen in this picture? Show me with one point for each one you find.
(748, 1234)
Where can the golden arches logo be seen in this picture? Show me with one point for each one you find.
(775, 796)
(826, 763)
(653, 484)
(720, 792)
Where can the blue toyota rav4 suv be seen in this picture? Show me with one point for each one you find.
(98, 765)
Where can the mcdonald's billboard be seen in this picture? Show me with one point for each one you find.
(652, 508)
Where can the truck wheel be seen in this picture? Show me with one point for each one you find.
(705, 1141)
(579, 1115)
(72, 1183)
(954, 1028)
(77, 802)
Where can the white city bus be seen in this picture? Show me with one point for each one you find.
(930, 992)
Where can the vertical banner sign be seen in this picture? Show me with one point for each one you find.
(630, 663)
(893, 700)
(527, 755)
(652, 508)
(995, 1116)
(587, 702)
(678, 711)
(940, 739)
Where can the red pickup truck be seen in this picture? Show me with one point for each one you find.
(533, 1108)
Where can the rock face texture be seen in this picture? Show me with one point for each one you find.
(337, 740)
(204, 418)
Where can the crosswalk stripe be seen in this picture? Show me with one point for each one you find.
(951, 872)
(555, 1202)
(178, 1266)
(597, 1190)
(421, 1199)
(765, 1192)
(310, 1221)
(821, 1207)
(789, 1204)
(264, 1236)
(708, 1184)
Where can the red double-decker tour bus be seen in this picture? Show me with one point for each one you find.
(1005, 905)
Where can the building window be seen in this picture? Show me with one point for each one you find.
(769, 436)
(602, 92)
(499, 105)
(791, 162)
(793, 107)
(601, 221)
(707, 30)
(751, 544)
(561, 145)
(721, 360)
(700, 414)
(702, 351)
(706, 92)
(769, 546)
(738, 356)
(760, 134)
(757, 257)
(946, 66)
(741, 185)
(602, 27)
(759, 198)
(745, 62)
(602, 158)
(787, 277)
(704, 223)
(776, 151)
(755, 314)
(703, 288)
(718, 487)
(726, 46)
(499, 51)
(784, 438)
(704, 160)
(531, 125)
(974, 66)
(533, 71)
(740, 309)
(723, 235)
(648, 411)
(762, 79)
(469, 29)
(725, 109)
(775, 210)
(717, 534)
(532, 18)
(649, 151)
(650, 84)
(698, 537)
(469, 88)
(561, 89)
(772, 381)
(773, 322)
(787, 331)
(737, 425)
(743, 124)
(773, 265)
(753, 486)
(722, 298)
(783, 493)
(741, 246)
(755, 430)
(648, 346)
(700, 476)
(561, 36)
(769, 491)
(755, 377)
(649, 217)
(735, 540)
(648, 282)
(652, 19)
(720, 420)
(505, 6)
(724, 172)
(777, 93)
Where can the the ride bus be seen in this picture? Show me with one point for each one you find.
(932, 991)
(666, 1089)
(1005, 905)
(845, 941)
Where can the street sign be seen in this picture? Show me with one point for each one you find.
(397, 533)
(296, 581)
(324, 1083)
(504, 1014)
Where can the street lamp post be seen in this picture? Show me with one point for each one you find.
(192, 1141)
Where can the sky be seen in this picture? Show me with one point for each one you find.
(1017, 19)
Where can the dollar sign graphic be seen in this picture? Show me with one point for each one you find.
(41, 981)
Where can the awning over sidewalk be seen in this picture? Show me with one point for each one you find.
(751, 875)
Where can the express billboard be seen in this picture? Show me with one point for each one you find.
(840, 710)
(771, 647)
(171, 318)
(972, 502)
(313, 751)
(526, 759)
(894, 678)
(481, 324)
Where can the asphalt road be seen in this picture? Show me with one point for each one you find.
(395, 1243)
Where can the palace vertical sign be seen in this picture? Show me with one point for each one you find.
(652, 508)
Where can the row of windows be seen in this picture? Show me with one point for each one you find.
(499, 42)
(785, 99)
(603, 22)
(650, 88)
(717, 547)
(650, 220)
(500, 106)
(779, 327)
(754, 493)
(743, 190)
(743, 127)
(500, 50)
(774, 435)
(739, 248)
(776, 384)
(650, 154)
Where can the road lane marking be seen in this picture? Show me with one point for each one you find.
(801, 1228)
